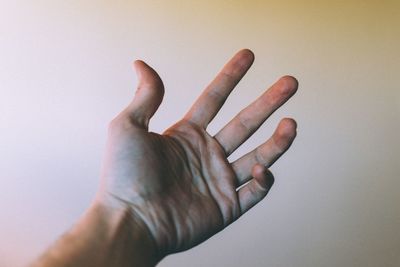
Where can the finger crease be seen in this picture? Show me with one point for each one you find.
(244, 124)
(229, 76)
(216, 95)
(259, 157)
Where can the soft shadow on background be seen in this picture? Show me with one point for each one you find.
(65, 72)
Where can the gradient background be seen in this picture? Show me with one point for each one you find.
(65, 73)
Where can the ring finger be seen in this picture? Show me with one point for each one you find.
(267, 153)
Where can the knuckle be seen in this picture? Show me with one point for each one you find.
(216, 96)
(246, 122)
(259, 156)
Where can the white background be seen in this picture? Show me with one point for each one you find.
(65, 72)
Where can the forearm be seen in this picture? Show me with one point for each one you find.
(103, 237)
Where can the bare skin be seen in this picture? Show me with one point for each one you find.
(169, 192)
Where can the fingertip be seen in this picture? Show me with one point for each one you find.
(289, 84)
(244, 59)
(287, 128)
(264, 177)
(290, 81)
(137, 61)
(248, 54)
(285, 134)
(147, 76)
(149, 93)
(137, 64)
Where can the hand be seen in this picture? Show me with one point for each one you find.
(180, 185)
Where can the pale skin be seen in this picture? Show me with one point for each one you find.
(164, 193)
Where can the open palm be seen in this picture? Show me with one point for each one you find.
(180, 184)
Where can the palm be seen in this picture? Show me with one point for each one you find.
(180, 183)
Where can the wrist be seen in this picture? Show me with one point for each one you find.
(126, 238)
(104, 236)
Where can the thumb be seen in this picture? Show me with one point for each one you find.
(148, 96)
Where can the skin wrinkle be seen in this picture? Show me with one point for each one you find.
(229, 78)
(262, 188)
(212, 92)
(168, 221)
(180, 136)
(259, 157)
(182, 218)
(178, 230)
(137, 212)
(210, 189)
(242, 120)
(217, 192)
(216, 95)
(160, 226)
(214, 189)
(153, 213)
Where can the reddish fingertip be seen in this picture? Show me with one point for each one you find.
(289, 85)
(247, 53)
(138, 63)
(245, 58)
(287, 128)
(291, 81)
(289, 123)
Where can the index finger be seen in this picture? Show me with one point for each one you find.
(213, 97)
